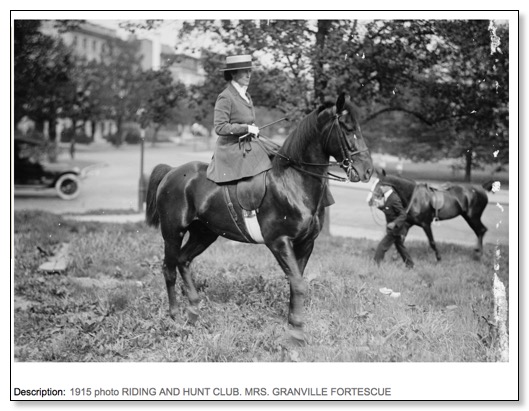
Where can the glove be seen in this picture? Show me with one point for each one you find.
(391, 226)
(253, 130)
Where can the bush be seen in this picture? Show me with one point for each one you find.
(133, 136)
(115, 139)
(80, 136)
(129, 134)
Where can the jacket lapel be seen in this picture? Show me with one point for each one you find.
(236, 94)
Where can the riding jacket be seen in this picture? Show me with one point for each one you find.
(231, 160)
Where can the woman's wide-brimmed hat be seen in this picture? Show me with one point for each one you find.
(243, 61)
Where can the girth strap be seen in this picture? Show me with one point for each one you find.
(239, 223)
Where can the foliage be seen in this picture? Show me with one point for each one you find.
(435, 88)
(121, 77)
(80, 137)
(111, 304)
(41, 68)
(159, 96)
(480, 76)
(441, 74)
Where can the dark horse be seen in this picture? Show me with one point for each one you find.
(291, 214)
(424, 204)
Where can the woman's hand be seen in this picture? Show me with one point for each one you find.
(253, 130)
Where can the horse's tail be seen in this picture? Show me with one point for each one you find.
(151, 215)
(488, 185)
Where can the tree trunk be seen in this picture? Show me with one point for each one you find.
(93, 125)
(52, 129)
(468, 164)
(39, 126)
(320, 84)
(155, 134)
(320, 80)
(119, 136)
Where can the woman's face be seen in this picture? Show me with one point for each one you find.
(242, 76)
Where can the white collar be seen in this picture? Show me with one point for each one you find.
(240, 89)
(387, 194)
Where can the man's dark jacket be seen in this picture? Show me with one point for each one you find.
(394, 211)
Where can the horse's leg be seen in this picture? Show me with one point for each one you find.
(172, 249)
(428, 231)
(283, 251)
(200, 238)
(479, 229)
(404, 231)
(303, 251)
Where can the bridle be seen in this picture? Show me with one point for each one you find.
(347, 154)
(369, 198)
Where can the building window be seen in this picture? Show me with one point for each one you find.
(74, 42)
(94, 45)
(84, 44)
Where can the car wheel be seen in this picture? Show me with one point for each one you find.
(68, 186)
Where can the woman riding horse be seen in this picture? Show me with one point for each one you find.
(183, 200)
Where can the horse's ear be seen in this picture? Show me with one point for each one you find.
(340, 102)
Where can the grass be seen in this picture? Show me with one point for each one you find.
(111, 304)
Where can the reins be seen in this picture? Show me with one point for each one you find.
(347, 161)
(379, 222)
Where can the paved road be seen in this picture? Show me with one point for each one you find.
(114, 185)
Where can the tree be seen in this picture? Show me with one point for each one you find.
(435, 81)
(453, 89)
(121, 79)
(160, 96)
(85, 94)
(286, 86)
(42, 68)
(477, 92)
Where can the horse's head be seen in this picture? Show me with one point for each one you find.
(375, 197)
(344, 141)
(403, 186)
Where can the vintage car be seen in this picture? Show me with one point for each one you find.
(32, 173)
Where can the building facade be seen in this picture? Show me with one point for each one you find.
(92, 42)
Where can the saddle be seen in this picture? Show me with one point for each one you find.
(437, 197)
(251, 191)
(249, 194)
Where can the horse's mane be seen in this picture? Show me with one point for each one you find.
(390, 179)
(403, 186)
(296, 142)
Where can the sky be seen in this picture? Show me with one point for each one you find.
(167, 33)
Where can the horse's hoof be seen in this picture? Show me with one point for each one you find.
(172, 314)
(192, 315)
(289, 355)
(296, 338)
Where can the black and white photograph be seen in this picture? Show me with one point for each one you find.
(264, 206)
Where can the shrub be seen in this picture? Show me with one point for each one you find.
(80, 136)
